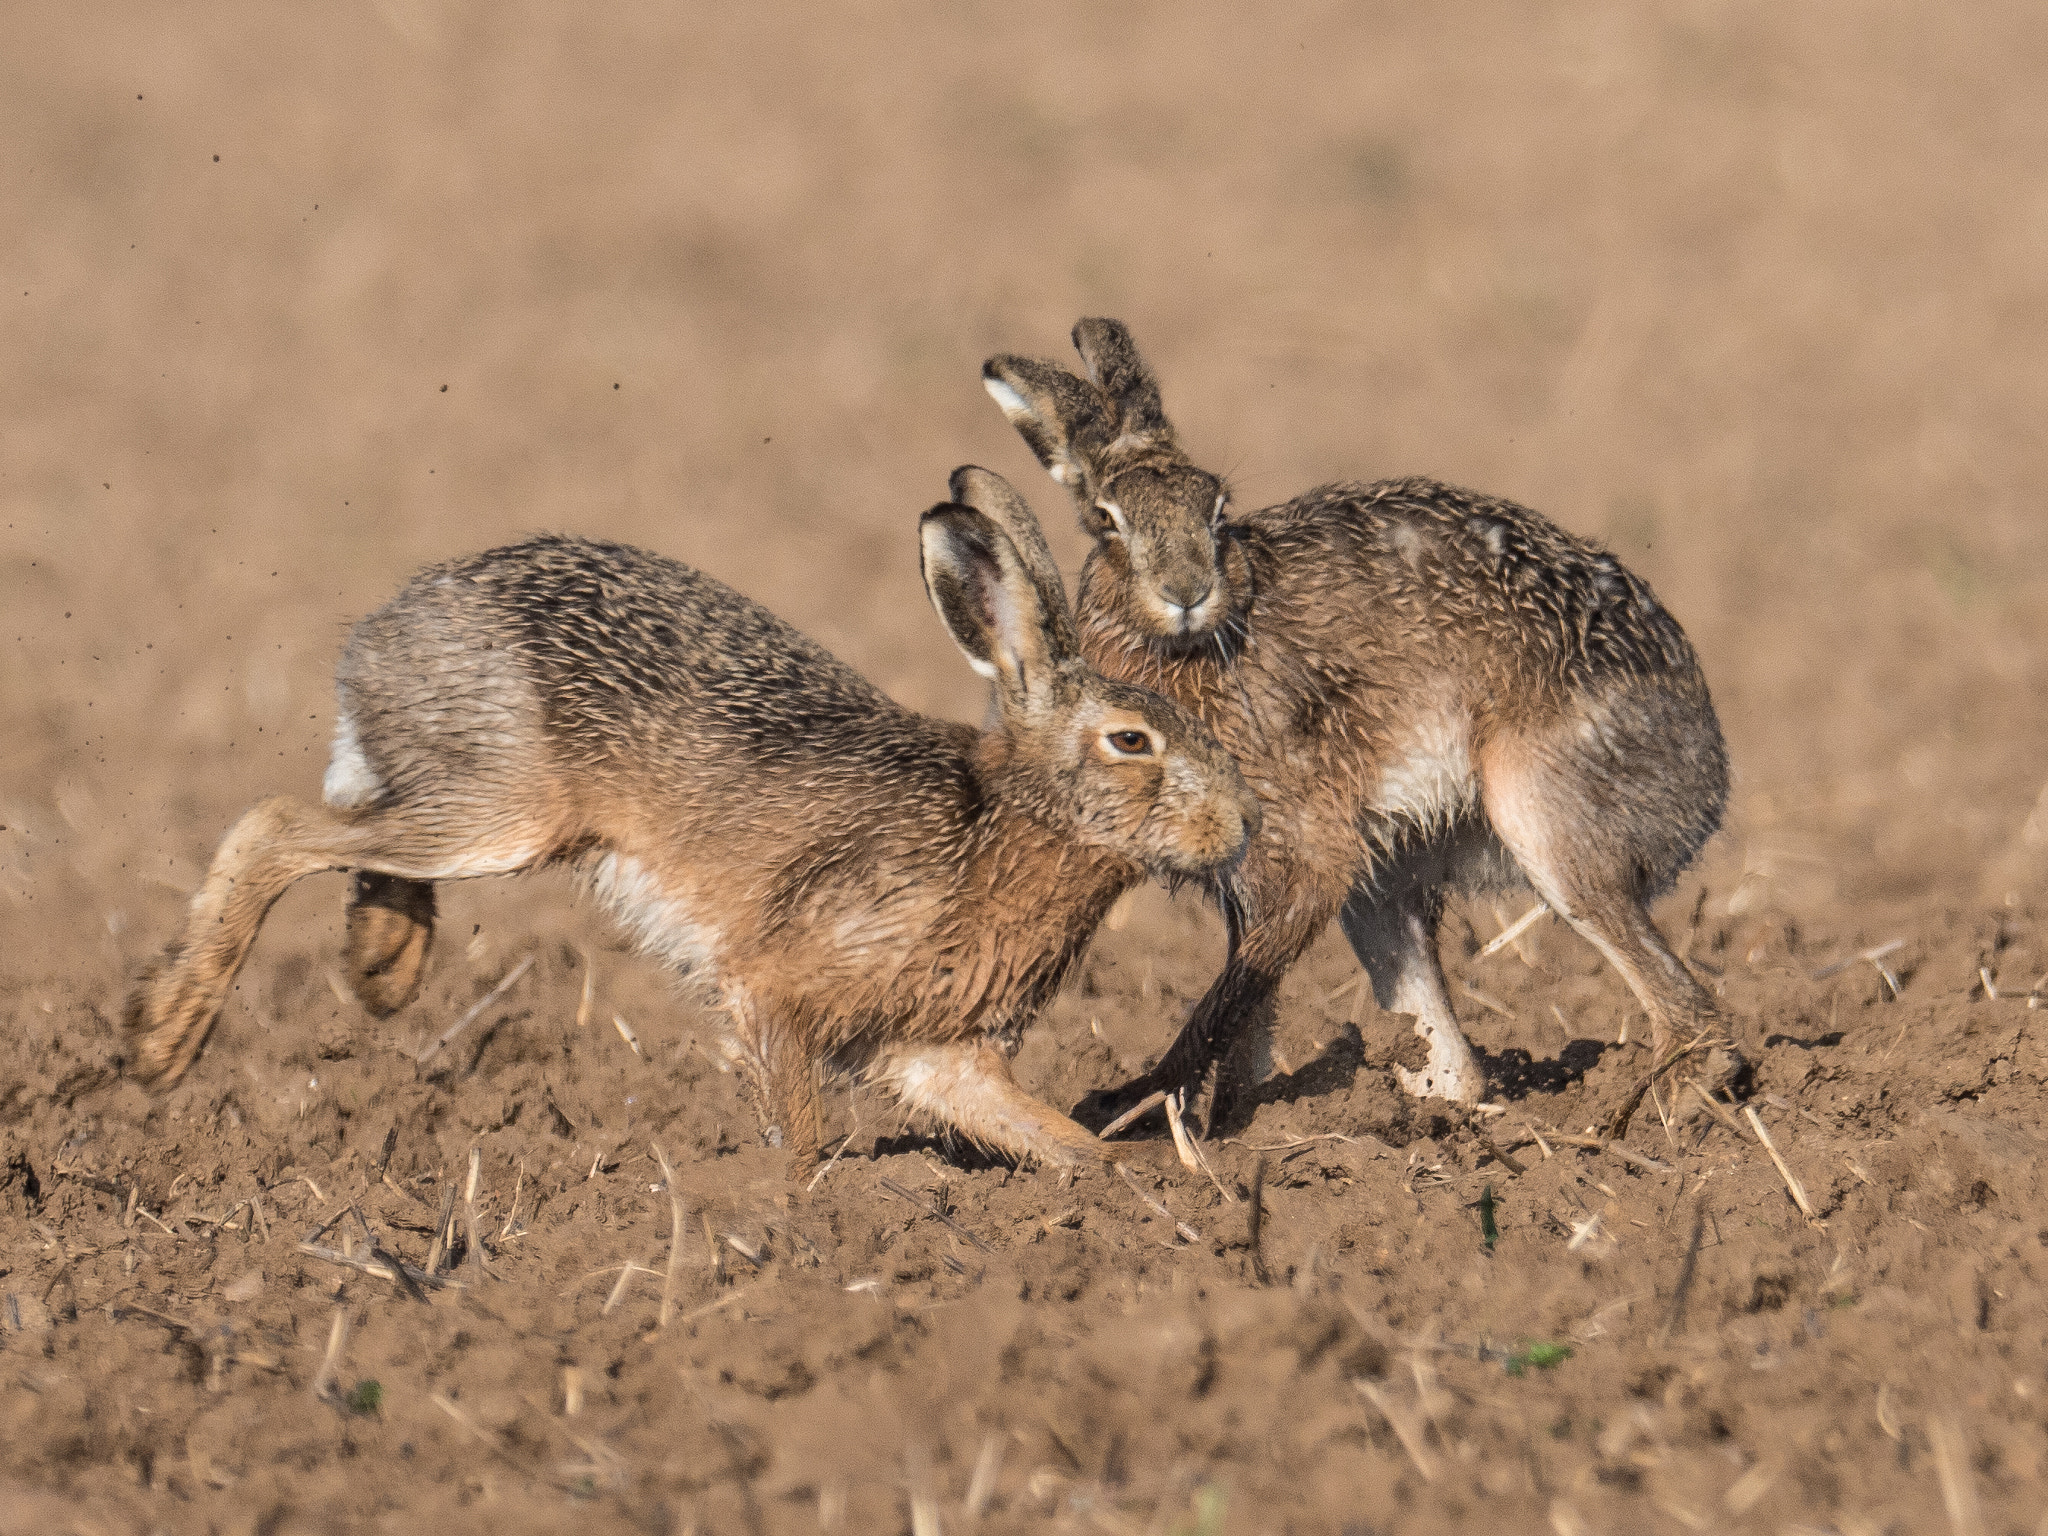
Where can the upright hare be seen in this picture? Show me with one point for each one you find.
(1429, 689)
(870, 890)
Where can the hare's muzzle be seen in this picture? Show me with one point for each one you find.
(1218, 817)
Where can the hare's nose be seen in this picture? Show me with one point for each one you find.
(1185, 595)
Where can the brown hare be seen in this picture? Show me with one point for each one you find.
(1430, 690)
(870, 891)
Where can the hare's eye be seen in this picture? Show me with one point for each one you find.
(1129, 743)
(1108, 517)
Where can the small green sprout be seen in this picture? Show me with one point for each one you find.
(1543, 1357)
(1487, 1229)
(365, 1397)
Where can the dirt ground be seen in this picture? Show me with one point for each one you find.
(298, 298)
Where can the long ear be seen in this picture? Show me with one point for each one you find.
(996, 499)
(986, 596)
(1063, 418)
(1115, 368)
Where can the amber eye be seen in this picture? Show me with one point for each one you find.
(1130, 743)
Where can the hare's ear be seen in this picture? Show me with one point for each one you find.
(985, 592)
(1063, 418)
(997, 500)
(1115, 368)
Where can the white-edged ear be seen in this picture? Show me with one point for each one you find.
(1062, 417)
(996, 499)
(1012, 404)
(988, 598)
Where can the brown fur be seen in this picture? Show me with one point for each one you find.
(869, 891)
(1429, 689)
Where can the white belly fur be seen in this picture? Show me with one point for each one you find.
(659, 921)
(1426, 776)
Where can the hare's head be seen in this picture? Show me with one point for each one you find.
(1115, 765)
(1156, 518)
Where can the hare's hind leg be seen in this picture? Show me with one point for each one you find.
(968, 1085)
(1578, 858)
(1393, 933)
(174, 1003)
(390, 925)
(276, 843)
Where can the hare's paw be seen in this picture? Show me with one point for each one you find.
(1451, 1071)
(165, 1020)
(390, 925)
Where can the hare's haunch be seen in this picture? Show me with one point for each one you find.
(867, 890)
(1431, 690)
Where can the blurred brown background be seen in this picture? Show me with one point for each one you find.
(300, 297)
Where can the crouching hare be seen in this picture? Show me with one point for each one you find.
(1429, 689)
(869, 891)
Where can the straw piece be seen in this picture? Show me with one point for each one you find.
(1499, 1153)
(1143, 1107)
(1515, 930)
(1186, 1233)
(1186, 1144)
(437, 1250)
(1872, 956)
(933, 1211)
(379, 1264)
(726, 1300)
(589, 992)
(1792, 1184)
(675, 1237)
(1958, 1487)
(476, 1008)
(1406, 1429)
(1181, 1148)
(988, 1467)
(337, 1336)
(1720, 1110)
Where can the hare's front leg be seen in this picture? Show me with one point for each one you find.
(783, 1069)
(1394, 937)
(969, 1086)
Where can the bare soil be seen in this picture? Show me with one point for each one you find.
(298, 298)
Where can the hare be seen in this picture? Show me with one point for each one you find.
(1430, 690)
(867, 890)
